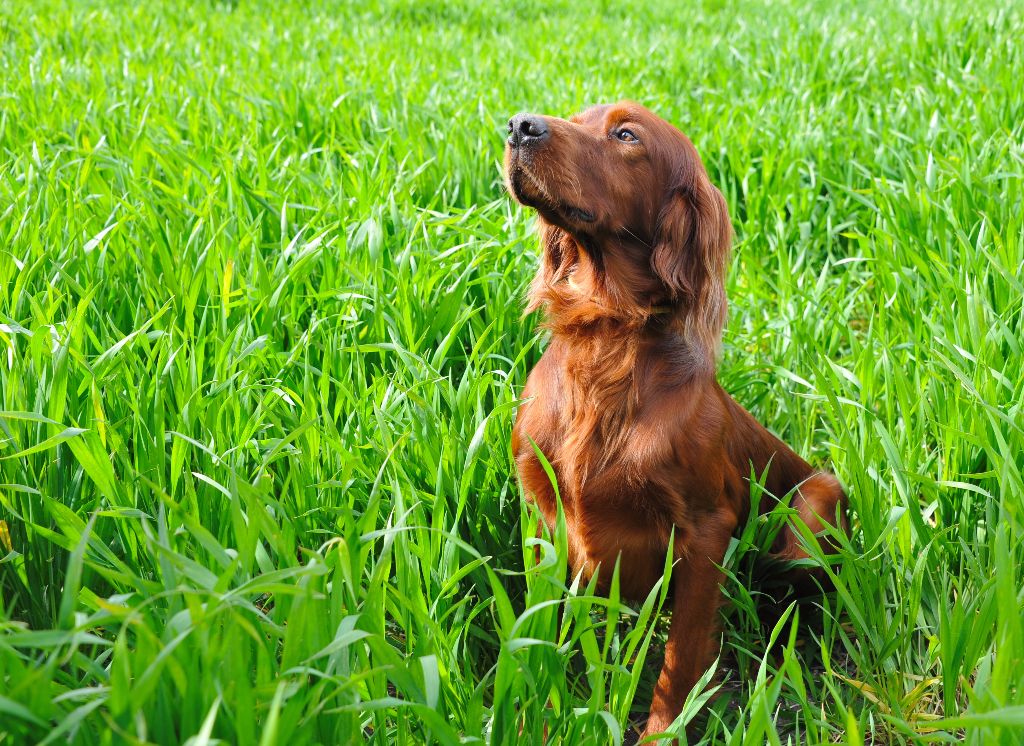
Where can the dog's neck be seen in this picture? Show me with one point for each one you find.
(607, 291)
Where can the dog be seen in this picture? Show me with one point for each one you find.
(624, 402)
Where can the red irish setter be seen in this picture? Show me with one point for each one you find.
(624, 403)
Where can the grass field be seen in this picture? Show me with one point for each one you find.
(261, 341)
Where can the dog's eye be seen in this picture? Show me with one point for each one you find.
(627, 136)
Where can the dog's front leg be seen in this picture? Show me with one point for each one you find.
(696, 598)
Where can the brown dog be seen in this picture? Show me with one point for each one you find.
(624, 403)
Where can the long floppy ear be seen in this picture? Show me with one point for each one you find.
(690, 254)
(560, 254)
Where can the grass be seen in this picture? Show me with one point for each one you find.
(260, 346)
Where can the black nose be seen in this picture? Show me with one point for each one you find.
(527, 129)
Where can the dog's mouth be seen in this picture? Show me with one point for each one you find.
(531, 191)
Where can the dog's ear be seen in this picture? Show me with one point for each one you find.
(560, 254)
(690, 253)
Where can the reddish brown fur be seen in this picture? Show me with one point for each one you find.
(624, 401)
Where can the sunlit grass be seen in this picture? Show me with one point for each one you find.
(261, 340)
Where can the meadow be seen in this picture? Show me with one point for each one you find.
(261, 339)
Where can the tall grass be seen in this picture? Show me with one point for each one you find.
(261, 342)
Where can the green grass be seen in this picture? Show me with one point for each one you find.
(261, 341)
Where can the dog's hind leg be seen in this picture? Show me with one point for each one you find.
(819, 500)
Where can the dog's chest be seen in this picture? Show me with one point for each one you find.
(603, 448)
(614, 504)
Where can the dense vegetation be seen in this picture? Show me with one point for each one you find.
(261, 339)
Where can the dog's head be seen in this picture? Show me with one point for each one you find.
(620, 184)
